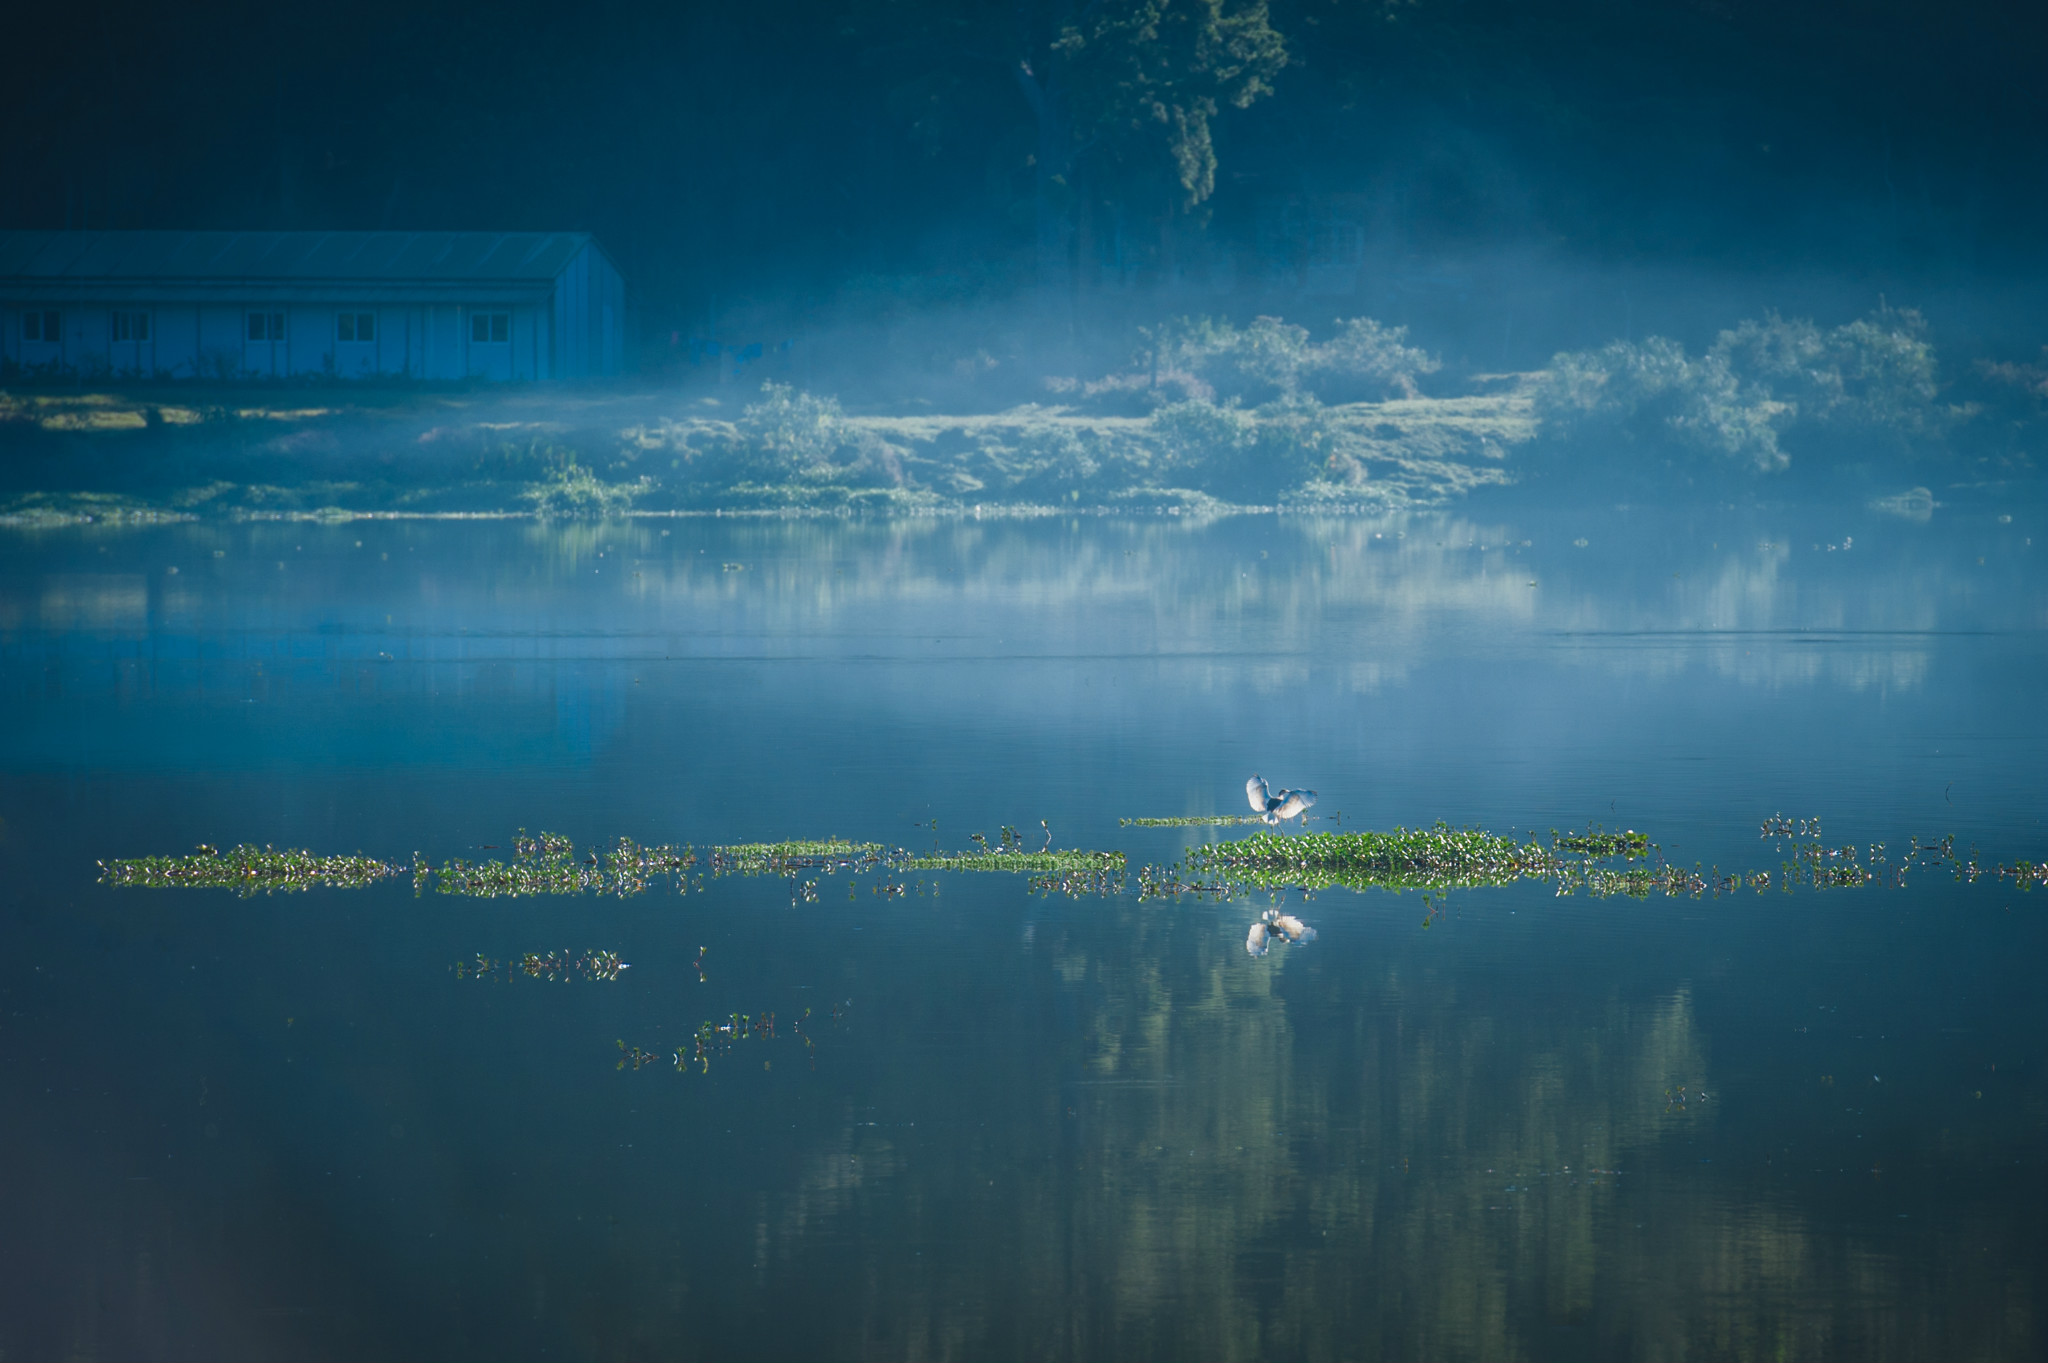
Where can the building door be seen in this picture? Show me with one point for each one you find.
(490, 345)
(130, 343)
(263, 350)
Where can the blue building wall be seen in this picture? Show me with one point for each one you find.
(566, 323)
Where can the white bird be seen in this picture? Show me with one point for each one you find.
(1255, 940)
(1275, 808)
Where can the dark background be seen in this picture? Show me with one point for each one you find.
(874, 154)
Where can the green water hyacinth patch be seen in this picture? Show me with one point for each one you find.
(1596, 843)
(1033, 863)
(247, 870)
(548, 864)
(800, 854)
(1436, 858)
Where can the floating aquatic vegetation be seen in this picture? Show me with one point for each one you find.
(548, 865)
(789, 858)
(1444, 858)
(719, 1039)
(604, 966)
(1437, 858)
(1083, 881)
(1060, 863)
(1595, 842)
(247, 870)
(1681, 1099)
(1440, 857)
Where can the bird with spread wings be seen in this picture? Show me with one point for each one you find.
(1277, 806)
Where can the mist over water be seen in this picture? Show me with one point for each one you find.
(746, 854)
(285, 1124)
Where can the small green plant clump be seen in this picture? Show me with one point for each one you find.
(1057, 863)
(794, 856)
(719, 1039)
(572, 491)
(1594, 842)
(247, 870)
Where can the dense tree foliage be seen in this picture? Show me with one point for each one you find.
(724, 151)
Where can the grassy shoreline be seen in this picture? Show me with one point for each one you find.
(151, 456)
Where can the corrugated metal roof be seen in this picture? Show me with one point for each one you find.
(351, 257)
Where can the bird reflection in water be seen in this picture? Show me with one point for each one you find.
(1274, 926)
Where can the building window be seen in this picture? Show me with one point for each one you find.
(266, 326)
(355, 326)
(490, 326)
(131, 326)
(42, 326)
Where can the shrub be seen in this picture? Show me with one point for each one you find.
(790, 434)
(1645, 387)
(1367, 360)
(1250, 456)
(1270, 360)
(1758, 381)
(570, 490)
(1878, 370)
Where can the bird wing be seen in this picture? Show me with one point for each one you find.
(1255, 791)
(1255, 940)
(1295, 929)
(1293, 802)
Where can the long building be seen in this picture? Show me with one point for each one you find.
(407, 305)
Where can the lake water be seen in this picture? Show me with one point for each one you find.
(1020, 1125)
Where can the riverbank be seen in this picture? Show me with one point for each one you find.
(149, 455)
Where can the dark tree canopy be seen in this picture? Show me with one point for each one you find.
(730, 150)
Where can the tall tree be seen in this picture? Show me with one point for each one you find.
(1121, 94)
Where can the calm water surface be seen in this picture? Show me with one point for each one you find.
(1023, 1126)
